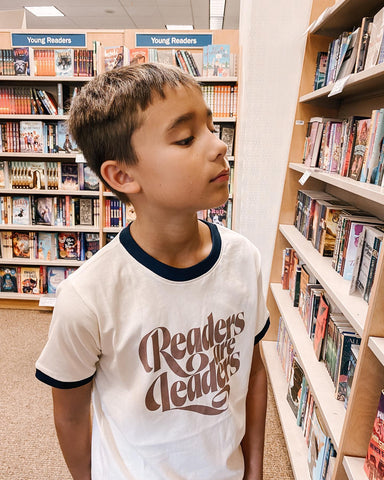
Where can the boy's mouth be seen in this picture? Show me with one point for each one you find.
(223, 176)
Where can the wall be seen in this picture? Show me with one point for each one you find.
(271, 43)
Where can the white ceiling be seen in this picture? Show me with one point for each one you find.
(124, 14)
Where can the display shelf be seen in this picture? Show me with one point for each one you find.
(19, 296)
(49, 228)
(112, 229)
(37, 262)
(354, 468)
(224, 119)
(212, 79)
(297, 448)
(370, 79)
(37, 156)
(344, 15)
(352, 306)
(16, 116)
(366, 190)
(46, 193)
(376, 344)
(321, 386)
(43, 79)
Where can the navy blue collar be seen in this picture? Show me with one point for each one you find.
(173, 273)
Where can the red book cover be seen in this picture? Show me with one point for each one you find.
(374, 461)
(321, 325)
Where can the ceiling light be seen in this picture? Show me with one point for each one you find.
(216, 14)
(179, 27)
(50, 11)
(216, 23)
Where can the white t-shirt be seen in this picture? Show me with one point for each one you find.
(170, 353)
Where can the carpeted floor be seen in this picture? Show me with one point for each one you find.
(28, 444)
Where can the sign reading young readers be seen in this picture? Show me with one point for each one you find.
(49, 40)
(173, 40)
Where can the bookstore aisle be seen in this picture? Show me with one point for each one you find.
(30, 449)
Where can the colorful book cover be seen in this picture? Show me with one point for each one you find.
(113, 57)
(91, 180)
(21, 60)
(47, 245)
(69, 176)
(321, 325)
(69, 245)
(91, 244)
(8, 279)
(44, 211)
(218, 60)
(347, 339)
(64, 62)
(21, 243)
(294, 386)
(30, 280)
(361, 143)
(55, 275)
(374, 463)
(2, 172)
(31, 136)
(319, 443)
(21, 210)
(86, 211)
(218, 215)
(138, 55)
(65, 143)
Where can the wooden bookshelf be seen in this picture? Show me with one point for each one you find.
(350, 430)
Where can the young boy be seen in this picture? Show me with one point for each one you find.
(162, 326)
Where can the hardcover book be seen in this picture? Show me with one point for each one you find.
(21, 60)
(64, 62)
(21, 243)
(31, 136)
(115, 57)
(321, 325)
(8, 279)
(218, 60)
(21, 210)
(374, 463)
(91, 180)
(44, 211)
(319, 443)
(69, 176)
(138, 55)
(294, 386)
(86, 211)
(55, 275)
(47, 245)
(69, 245)
(30, 280)
(361, 144)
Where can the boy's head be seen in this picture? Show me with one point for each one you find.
(109, 109)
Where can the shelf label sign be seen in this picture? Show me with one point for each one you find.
(49, 40)
(173, 40)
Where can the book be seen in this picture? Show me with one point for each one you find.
(363, 41)
(47, 246)
(91, 180)
(227, 135)
(69, 176)
(374, 464)
(64, 141)
(21, 61)
(138, 55)
(21, 210)
(44, 211)
(347, 338)
(321, 69)
(321, 325)
(8, 279)
(21, 244)
(69, 245)
(218, 60)
(30, 280)
(218, 215)
(6, 246)
(361, 141)
(64, 62)
(91, 245)
(115, 57)
(86, 211)
(376, 37)
(31, 136)
(319, 443)
(55, 275)
(294, 386)
(349, 60)
(351, 371)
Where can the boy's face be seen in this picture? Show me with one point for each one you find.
(181, 163)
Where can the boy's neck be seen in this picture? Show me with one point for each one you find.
(176, 242)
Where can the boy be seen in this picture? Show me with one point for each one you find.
(162, 325)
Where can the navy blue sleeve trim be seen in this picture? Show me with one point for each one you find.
(58, 384)
(260, 335)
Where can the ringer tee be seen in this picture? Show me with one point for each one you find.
(169, 351)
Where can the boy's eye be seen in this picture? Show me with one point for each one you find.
(185, 141)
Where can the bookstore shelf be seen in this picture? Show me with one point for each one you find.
(43, 79)
(112, 229)
(354, 468)
(35, 156)
(293, 434)
(357, 84)
(352, 306)
(45, 193)
(37, 262)
(321, 386)
(17, 116)
(374, 193)
(49, 228)
(342, 15)
(20, 296)
(376, 344)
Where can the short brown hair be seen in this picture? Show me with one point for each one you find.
(106, 112)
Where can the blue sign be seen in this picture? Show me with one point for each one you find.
(49, 40)
(173, 40)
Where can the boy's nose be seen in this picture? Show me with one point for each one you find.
(219, 148)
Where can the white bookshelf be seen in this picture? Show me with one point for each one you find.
(319, 380)
(46, 193)
(354, 468)
(297, 448)
(374, 193)
(37, 262)
(50, 228)
(36, 156)
(352, 306)
(376, 344)
(17, 117)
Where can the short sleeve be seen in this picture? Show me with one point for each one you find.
(262, 314)
(72, 350)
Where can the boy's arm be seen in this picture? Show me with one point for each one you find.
(71, 410)
(253, 441)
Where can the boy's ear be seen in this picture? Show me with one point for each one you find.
(119, 177)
